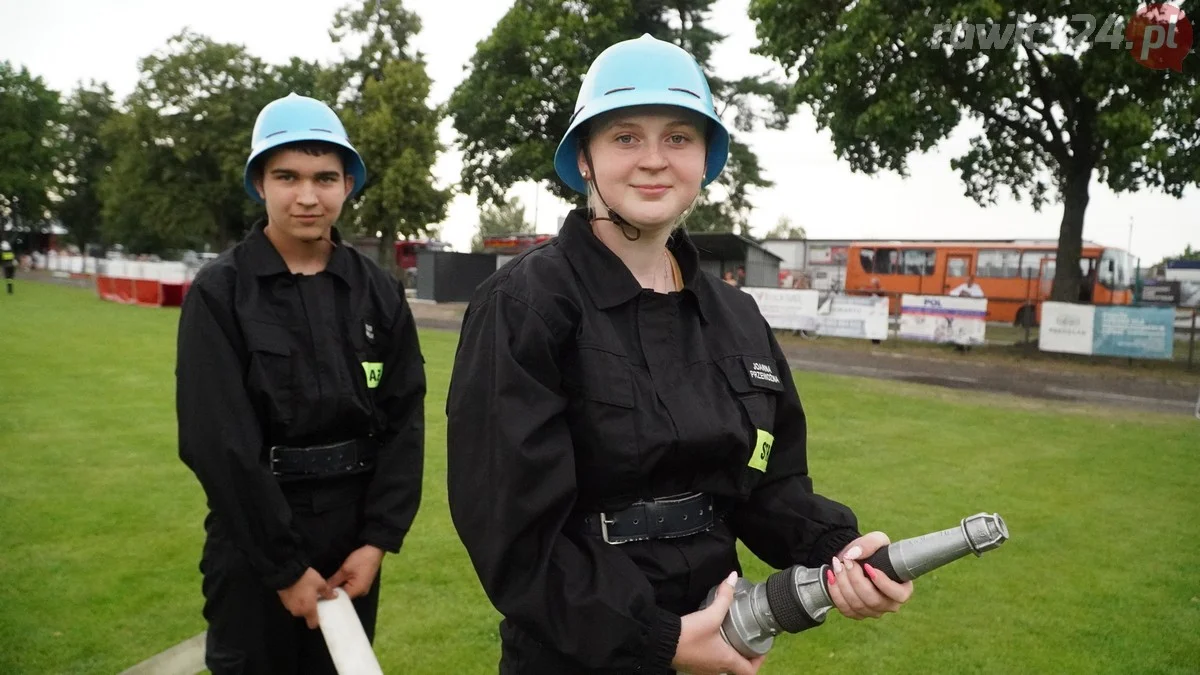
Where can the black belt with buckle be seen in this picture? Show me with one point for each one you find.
(662, 518)
(324, 461)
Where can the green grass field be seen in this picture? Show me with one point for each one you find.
(100, 523)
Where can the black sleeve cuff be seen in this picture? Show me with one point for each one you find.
(830, 544)
(664, 640)
(383, 538)
(286, 576)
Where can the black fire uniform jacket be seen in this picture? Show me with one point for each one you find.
(268, 358)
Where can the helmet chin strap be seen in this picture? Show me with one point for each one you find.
(616, 219)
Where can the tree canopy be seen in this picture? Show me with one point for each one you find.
(163, 169)
(506, 218)
(1057, 107)
(29, 140)
(387, 114)
(517, 99)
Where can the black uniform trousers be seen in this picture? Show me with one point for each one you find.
(249, 630)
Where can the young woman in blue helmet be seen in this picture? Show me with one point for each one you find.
(300, 398)
(619, 419)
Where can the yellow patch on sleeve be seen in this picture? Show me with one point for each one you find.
(374, 373)
(762, 450)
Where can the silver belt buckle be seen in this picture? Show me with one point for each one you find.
(271, 459)
(604, 521)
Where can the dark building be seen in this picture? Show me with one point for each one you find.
(722, 252)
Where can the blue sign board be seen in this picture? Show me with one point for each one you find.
(1136, 332)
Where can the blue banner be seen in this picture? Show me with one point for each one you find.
(1136, 332)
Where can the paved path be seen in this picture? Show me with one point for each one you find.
(185, 658)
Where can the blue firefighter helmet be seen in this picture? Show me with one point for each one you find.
(644, 71)
(296, 118)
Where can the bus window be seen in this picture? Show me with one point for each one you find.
(956, 267)
(919, 262)
(887, 261)
(1116, 269)
(998, 263)
(1031, 263)
(866, 258)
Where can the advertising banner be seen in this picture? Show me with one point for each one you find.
(837, 316)
(944, 319)
(1066, 328)
(1134, 332)
(865, 318)
(785, 308)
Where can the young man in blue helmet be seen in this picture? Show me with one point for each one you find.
(619, 419)
(300, 397)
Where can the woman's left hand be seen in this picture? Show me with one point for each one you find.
(860, 591)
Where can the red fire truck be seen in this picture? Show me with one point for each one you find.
(512, 244)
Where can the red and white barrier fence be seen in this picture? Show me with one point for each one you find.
(133, 282)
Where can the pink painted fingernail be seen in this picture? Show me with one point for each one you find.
(870, 571)
(853, 553)
(732, 579)
(830, 578)
(837, 566)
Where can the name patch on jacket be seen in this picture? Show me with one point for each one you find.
(762, 373)
(374, 372)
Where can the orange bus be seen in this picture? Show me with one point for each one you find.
(1016, 277)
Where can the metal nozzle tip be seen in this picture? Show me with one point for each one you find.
(985, 531)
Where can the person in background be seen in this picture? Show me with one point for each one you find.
(968, 289)
(8, 261)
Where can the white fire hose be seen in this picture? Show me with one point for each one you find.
(345, 637)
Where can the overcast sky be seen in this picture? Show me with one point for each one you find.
(67, 41)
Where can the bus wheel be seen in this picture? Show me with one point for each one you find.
(1025, 313)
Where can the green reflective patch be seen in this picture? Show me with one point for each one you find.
(762, 450)
(374, 373)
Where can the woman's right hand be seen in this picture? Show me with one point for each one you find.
(702, 650)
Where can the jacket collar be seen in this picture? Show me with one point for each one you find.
(265, 260)
(605, 277)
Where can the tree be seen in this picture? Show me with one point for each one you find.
(1189, 253)
(29, 119)
(386, 112)
(398, 133)
(785, 230)
(144, 207)
(84, 160)
(382, 30)
(179, 151)
(515, 104)
(506, 218)
(890, 78)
